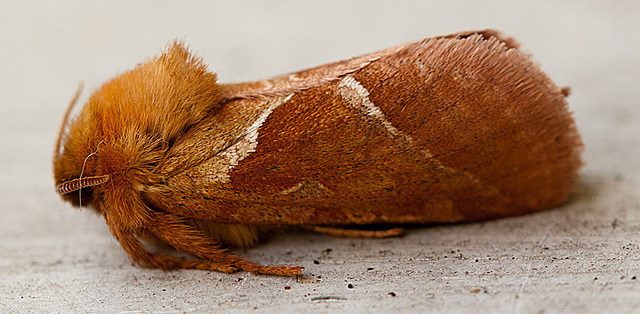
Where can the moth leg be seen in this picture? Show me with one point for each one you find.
(171, 230)
(355, 233)
(141, 256)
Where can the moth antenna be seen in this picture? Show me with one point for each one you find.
(77, 184)
(82, 172)
(65, 119)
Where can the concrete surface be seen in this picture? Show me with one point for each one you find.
(581, 257)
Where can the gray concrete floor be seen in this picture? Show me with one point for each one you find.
(583, 256)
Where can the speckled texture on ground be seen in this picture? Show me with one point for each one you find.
(580, 257)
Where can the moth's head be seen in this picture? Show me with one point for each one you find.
(128, 124)
(71, 159)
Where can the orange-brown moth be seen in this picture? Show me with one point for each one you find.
(447, 129)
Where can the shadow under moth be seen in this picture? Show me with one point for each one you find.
(463, 127)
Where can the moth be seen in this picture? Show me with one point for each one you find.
(456, 128)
